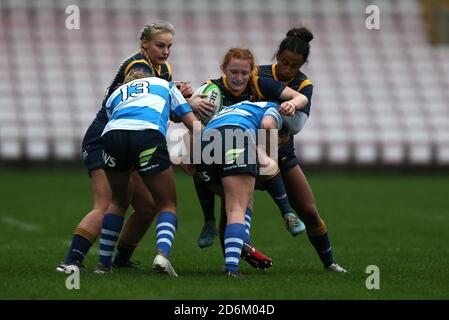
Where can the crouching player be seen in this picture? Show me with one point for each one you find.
(231, 168)
(134, 137)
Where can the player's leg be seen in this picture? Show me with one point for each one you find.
(116, 145)
(113, 218)
(89, 227)
(102, 197)
(137, 224)
(162, 187)
(303, 201)
(275, 187)
(222, 224)
(153, 164)
(269, 176)
(248, 220)
(238, 191)
(207, 202)
(254, 257)
(206, 198)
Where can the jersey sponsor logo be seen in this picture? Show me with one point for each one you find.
(108, 160)
(204, 176)
(235, 166)
(154, 166)
(145, 156)
(233, 154)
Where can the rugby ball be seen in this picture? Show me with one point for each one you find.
(214, 96)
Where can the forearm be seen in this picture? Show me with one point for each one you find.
(300, 101)
(188, 119)
(297, 99)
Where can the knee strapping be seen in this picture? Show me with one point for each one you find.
(270, 170)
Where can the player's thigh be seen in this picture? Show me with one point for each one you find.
(101, 190)
(117, 165)
(238, 191)
(299, 191)
(239, 188)
(142, 200)
(119, 182)
(162, 187)
(152, 162)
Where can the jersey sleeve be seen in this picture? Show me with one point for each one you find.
(178, 104)
(273, 111)
(270, 88)
(307, 91)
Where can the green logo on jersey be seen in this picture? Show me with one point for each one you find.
(233, 154)
(145, 156)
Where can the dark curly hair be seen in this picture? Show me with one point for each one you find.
(297, 41)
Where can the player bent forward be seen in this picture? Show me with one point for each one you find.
(135, 138)
(235, 166)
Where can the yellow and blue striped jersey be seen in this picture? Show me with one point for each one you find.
(164, 72)
(258, 89)
(300, 83)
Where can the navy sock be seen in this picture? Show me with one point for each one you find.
(276, 189)
(207, 201)
(323, 248)
(124, 252)
(78, 249)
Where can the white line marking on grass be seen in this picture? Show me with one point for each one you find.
(20, 224)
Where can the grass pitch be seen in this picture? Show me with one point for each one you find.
(398, 222)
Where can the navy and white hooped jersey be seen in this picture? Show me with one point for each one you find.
(246, 114)
(144, 104)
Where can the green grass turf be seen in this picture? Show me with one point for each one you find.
(398, 222)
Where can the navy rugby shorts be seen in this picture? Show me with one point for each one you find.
(235, 159)
(286, 156)
(92, 149)
(145, 150)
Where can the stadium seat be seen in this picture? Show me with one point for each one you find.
(375, 92)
